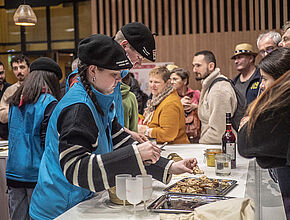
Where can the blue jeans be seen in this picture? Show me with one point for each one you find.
(19, 200)
(283, 174)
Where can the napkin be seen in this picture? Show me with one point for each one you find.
(238, 209)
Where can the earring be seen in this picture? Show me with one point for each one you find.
(94, 78)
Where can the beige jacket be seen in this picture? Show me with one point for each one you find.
(4, 106)
(213, 107)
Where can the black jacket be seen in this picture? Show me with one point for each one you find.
(269, 141)
(4, 127)
(254, 86)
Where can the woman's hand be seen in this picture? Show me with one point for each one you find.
(187, 105)
(244, 120)
(149, 151)
(185, 165)
(142, 129)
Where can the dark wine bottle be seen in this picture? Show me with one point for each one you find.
(229, 141)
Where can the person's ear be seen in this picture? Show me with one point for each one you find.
(211, 66)
(252, 59)
(124, 43)
(92, 70)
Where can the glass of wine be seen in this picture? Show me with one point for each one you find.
(147, 188)
(134, 191)
(121, 187)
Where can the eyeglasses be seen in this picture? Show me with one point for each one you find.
(268, 50)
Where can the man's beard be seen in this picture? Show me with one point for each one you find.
(1, 82)
(20, 77)
(202, 77)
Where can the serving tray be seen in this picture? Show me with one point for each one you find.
(192, 185)
(182, 203)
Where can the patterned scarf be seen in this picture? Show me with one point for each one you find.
(152, 104)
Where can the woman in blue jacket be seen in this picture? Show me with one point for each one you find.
(85, 145)
(29, 111)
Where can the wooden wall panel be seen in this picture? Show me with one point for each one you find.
(286, 6)
(277, 13)
(180, 34)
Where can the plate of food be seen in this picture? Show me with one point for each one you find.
(182, 203)
(202, 185)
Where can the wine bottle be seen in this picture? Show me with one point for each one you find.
(229, 141)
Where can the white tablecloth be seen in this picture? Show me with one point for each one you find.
(100, 207)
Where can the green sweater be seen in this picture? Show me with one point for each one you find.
(130, 106)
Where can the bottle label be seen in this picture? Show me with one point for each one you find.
(231, 150)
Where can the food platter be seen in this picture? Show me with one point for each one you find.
(182, 203)
(202, 185)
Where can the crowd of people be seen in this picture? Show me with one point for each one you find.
(67, 142)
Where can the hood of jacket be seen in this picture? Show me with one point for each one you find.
(125, 89)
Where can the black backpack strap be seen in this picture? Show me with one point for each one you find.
(218, 80)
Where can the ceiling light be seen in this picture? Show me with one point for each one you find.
(24, 16)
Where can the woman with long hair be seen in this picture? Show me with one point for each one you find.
(266, 134)
(274, 65)
(86, 147)
(30, 109)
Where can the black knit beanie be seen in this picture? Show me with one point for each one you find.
(48, 64)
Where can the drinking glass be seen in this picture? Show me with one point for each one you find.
(134, 191)
(147, 188)
(222, 164)
(121, 187)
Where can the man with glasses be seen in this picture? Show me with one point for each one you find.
(267, 42)
(20, 68)
(286, 35)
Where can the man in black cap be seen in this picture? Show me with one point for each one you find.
(138, 42)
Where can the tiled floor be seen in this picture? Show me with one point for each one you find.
(266, 194)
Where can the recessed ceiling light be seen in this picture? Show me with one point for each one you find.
(14, 33)
(69, 29)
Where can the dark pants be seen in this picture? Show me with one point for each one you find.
(19, 200)
(284, 184)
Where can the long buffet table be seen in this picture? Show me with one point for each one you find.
(250, 178)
